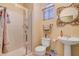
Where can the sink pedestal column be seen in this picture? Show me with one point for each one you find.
(67, 50)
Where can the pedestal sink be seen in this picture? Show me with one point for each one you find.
(68, 41)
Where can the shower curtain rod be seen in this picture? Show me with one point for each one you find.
(3, 7)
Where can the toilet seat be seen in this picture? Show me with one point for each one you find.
(40, 50)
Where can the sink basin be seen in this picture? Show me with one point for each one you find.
(69, 40)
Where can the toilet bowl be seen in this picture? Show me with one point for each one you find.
(41, 50)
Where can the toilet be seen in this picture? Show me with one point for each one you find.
(41, 49)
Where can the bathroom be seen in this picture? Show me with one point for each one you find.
(27, 29)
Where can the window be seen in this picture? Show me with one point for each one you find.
(48, 11)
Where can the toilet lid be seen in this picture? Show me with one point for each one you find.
(40, 48)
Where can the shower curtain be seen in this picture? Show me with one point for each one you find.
(5, 40)
(1, 28)
(3, 31)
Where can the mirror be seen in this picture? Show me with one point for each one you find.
(67, 18)
(68, 15)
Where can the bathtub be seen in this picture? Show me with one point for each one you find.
(18, 52)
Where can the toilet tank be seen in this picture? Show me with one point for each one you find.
(45, 42)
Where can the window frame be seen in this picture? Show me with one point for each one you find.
(47, 7)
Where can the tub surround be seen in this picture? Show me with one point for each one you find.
(17, 52)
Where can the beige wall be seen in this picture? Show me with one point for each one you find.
(15, 28)
(67, 30)
(36, 26)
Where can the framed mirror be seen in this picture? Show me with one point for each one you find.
(68, 15)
